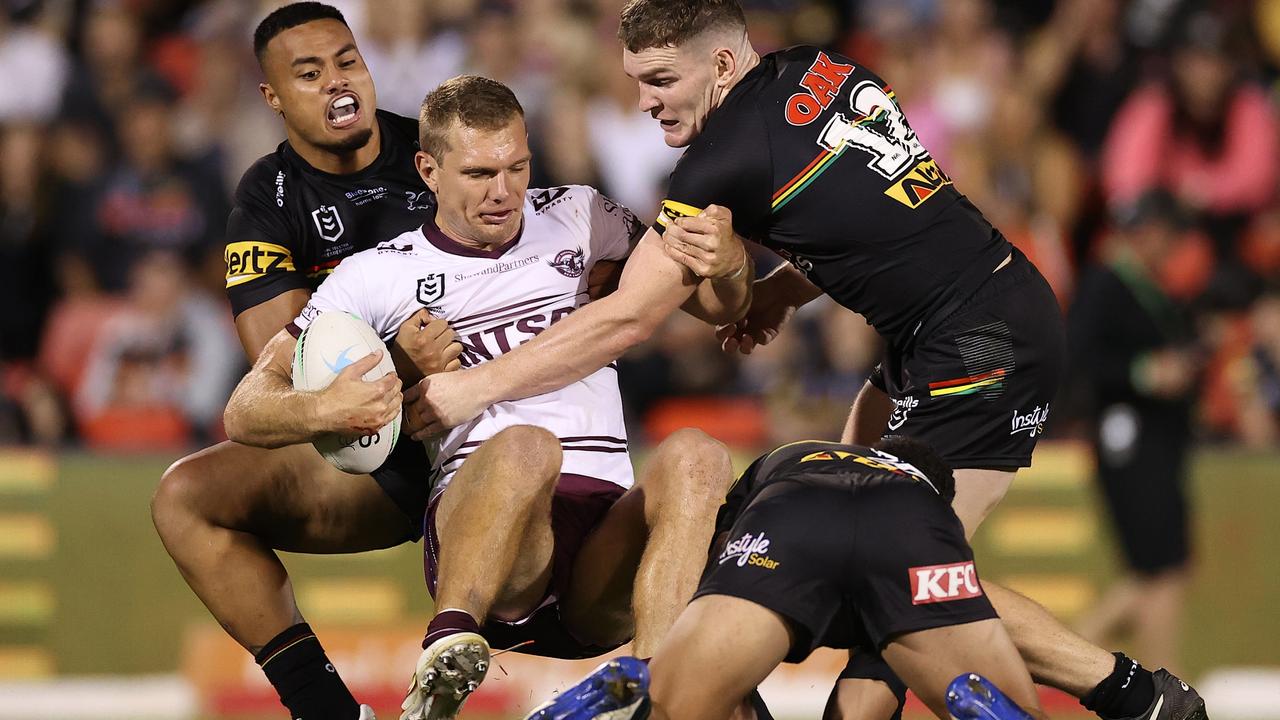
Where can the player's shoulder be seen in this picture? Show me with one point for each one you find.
(392, 252)
(266, 179)
(560, 201)
(401, 129)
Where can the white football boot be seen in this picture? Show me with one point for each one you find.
(449, 670)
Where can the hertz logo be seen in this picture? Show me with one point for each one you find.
(672, 210)
(919, 185)
(251, 260)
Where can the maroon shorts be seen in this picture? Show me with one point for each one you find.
(578, 506)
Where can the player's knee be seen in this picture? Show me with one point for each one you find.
(175, 503)
(533, 450)
(693, 465)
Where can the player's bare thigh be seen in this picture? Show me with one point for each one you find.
(510, 479)
(978, 491)
(928, 660)
(291, 498)
(720, 648)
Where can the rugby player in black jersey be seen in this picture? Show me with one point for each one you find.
(820, 544)
(812, 157)
(343, 180)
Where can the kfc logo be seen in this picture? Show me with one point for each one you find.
(943, 583)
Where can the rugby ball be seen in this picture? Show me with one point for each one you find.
(331, 342)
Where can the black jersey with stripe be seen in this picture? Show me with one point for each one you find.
(814, 461)
(815, 159)
(292, 224)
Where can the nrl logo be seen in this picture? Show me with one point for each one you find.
(430, 288)
(328, 222)
(570, 263)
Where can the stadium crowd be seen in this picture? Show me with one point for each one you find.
(1069, 123)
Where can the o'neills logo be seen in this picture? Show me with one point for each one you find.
(1032, 423)
(749, 550)
(943, 583)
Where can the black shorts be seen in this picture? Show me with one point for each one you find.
(850, 565)
(976, 385)
(405, 477)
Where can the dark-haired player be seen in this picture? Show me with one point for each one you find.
(343, 181)
(849, 194)
(827, 545)
(813, 157)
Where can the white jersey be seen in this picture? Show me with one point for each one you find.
(498, 300)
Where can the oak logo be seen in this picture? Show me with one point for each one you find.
(249, 260)
(925, 179)
(821, 83)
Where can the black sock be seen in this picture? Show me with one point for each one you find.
(1126, 693)
(300, 672)
(448, 622)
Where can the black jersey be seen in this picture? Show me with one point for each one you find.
(292, 224)
(816, 161)
(815, 459)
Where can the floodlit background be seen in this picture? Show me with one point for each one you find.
(125, 125)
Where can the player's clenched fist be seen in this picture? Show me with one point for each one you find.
(352, 406)
(425, 345)
(706, 244)
(441, 402)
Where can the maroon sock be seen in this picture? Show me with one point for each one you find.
(448, 622)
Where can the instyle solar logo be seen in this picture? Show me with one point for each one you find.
(750, 549)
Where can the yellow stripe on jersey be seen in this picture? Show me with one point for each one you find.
(672, 210)
(251, 260)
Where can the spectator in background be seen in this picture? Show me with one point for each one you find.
(164, 366)
(1209, 137)
(151, 200)
(1028, 180)
(1136, 353)
(30, 49)
(29, 408)
(1256, 376)
(110, 70)
(634, 162)
(407, 54)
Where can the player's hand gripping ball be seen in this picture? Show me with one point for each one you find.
(333, 348)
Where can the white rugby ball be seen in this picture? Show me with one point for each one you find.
(331, 342)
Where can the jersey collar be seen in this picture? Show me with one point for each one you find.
(444, 243)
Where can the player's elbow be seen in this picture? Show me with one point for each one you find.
(633, 330)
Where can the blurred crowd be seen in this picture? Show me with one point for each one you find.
(127, 124)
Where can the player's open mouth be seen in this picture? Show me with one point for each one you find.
(668, 124)
(344, 111)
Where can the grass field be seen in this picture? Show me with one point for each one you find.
(86, 588)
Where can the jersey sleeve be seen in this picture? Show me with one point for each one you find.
(259, 250)
(347, 290)
(727, 165)
(614, 228)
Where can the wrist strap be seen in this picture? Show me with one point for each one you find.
(746, 258)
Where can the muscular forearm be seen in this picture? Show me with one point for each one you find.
(725, 300)
(265, 411)
(592, 337)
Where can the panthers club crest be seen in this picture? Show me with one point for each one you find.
(570, 263)
(430, 288)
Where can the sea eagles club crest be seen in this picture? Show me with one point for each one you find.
(430, 288)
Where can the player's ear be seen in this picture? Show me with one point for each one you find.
(273, 100)
(726, 66)
(428, 170)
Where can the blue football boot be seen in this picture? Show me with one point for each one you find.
(973, 697)
(617, 690)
